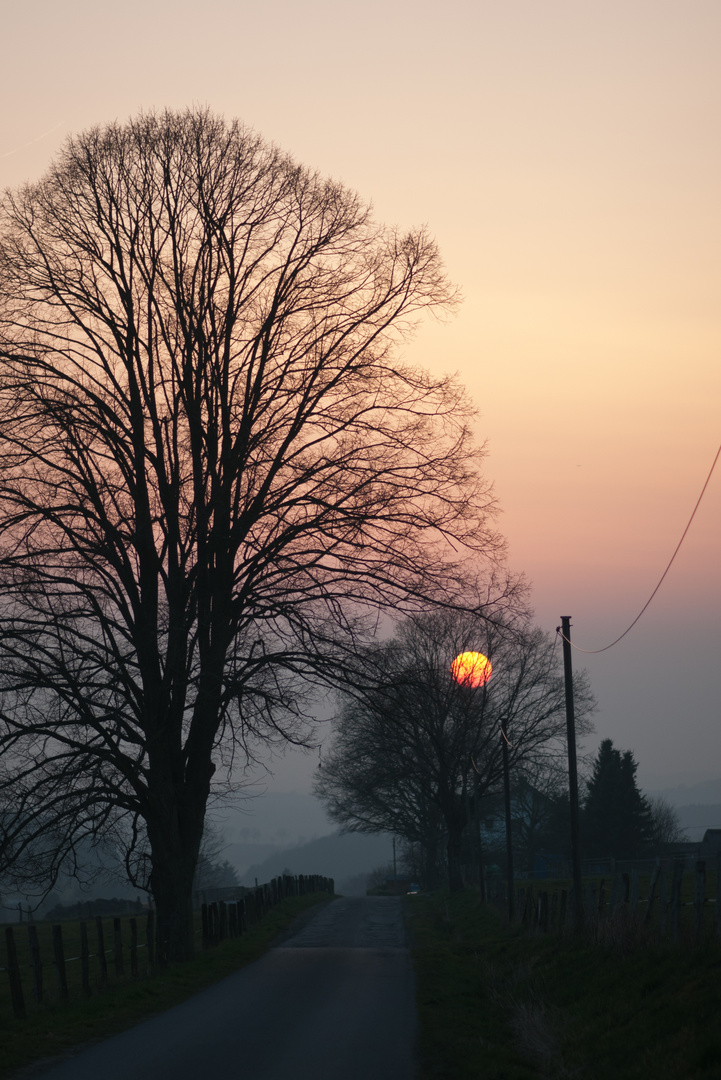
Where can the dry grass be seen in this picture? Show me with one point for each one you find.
(611, 1004)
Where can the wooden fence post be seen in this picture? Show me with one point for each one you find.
(634, 892)
(699, 896)
(676, 900)
(662, 903)
(36, 963)
(118, 947)
(543, 913)
(591, 906)
(652, 893)
(59, 953)
(84, 959)
(527, 917)
(102, 958)
(16, 986)
(133, 948)
(150, 937)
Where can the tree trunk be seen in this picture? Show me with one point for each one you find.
(175, 835)
(455, 877)
(174, 915)
(431, 874)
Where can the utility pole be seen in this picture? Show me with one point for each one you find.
(509, 838)
(572, 774)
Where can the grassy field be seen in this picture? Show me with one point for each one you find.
(52, 1029)
(510, 1004)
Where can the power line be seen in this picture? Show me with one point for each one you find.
(590, 652)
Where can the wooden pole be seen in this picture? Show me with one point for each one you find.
(133, 948)
(652, 892)
(572, 773)
(118, 947)
(102, 958)
(150, 938)
(60, 960)
(675, 911)
(699, 896)
(84, 959)
(36, 963)
(16, 986)
(509, 837)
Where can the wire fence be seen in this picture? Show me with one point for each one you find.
(651, 901)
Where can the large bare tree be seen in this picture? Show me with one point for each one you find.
(416, 752)
(213, 466)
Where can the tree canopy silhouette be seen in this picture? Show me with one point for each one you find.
(617, 819)
(213, 467)
(416, 752)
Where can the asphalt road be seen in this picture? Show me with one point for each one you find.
(334, 1002)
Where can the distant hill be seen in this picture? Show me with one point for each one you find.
(706, 793)
(242, 856)
(279, 818)
(696, 818)
(342, 856)
(698, 806)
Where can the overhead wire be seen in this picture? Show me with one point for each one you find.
(591, 652)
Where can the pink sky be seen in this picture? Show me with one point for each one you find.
(566, 156)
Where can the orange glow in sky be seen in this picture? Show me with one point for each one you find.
(562, 155)
(471, 669)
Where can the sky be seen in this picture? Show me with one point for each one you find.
(566, 156)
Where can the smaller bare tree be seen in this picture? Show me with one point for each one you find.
(666, 825)
(414, 750)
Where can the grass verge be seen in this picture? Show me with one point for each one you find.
(502, 1002)
(56, 1030)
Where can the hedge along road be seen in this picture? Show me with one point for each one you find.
(336, 999)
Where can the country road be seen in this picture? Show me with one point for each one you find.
(336, 1000)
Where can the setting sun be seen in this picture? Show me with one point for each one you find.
(471, 669)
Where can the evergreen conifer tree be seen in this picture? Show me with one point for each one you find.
(617, 819)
